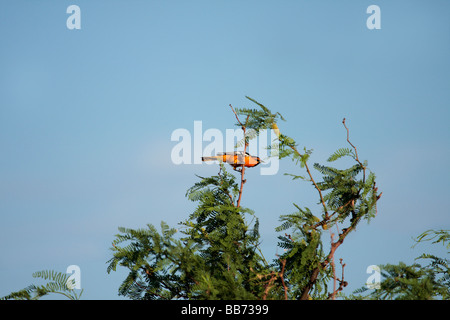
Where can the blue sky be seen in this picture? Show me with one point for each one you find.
(86, 118)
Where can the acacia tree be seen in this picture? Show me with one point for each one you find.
(215, 253)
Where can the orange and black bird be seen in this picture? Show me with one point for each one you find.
(236, 159)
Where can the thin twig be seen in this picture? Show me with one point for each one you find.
(342, 279)
(348, 140)
(342, 282)
(333, 270)
(356, 151)
(237, 118)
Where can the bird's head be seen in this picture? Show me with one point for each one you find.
(258, 160)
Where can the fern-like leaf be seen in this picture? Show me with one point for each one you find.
(342, 152)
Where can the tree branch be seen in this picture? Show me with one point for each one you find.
(273, 277)
(328, 259)
(334, 245)
(243, 127)
(342, 282)
(277, 130)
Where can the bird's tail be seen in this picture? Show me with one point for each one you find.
(209, 158)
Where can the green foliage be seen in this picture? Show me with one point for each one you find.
(155, 261)
(346, 194)
(341, 152)
(438, 268)
(59, 283)
(416, 281)
(214, 258)
(408, 282)
(227, 240)
(303, 252)
(259, 119)
(441, 235)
